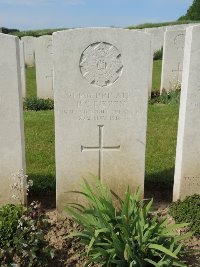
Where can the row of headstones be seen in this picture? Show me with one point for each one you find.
(101, 82)
(38, 51)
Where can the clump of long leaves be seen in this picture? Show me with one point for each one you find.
(126, 236)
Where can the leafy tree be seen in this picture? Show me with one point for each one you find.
(193, 13)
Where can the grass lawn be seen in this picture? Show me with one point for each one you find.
(157, 68)
(40, 152)
(30, 82)
(161, 140)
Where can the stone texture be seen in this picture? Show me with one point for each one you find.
(22, 66)
(101, 80)
(29, 50)
(12, 158)
(157, 37)
(44, 66)
(187, 169)
(172, 64)
(151, 71)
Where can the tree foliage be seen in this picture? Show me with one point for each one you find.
(193, 12)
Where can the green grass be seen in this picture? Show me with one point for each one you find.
(39, 143)
(161, 140)
(157, 68)
(30, 82)
(161, 143)
(161, 24)
(37, 33)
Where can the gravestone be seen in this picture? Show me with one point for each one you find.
(172, 64)
(157, 37)
(12, 156)
(22, 66)
(29, 50)
(101, 79)
(44, 66)
(187, 168)
(151, 70)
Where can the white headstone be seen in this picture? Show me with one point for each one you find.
(151, 71)
(29, 50)
(177, 27)
(101, 93)
(23, 70)
(44, 66)
(172, 64)
(12, 156)
(187, 169)
(157, 37)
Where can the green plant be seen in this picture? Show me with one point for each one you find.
(187, 210)
(127, 236)
(172, 97)
(22, 236)
(158, 55)
(35, 103)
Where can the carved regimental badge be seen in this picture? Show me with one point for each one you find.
(101, 64)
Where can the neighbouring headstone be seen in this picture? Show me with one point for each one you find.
(172, 64)
(187, 168)
(23, 70)
(177, 27)
(29, 50)
(101, 79)
(151, 71)
(157, 37)
(44, 66)
(12, 156)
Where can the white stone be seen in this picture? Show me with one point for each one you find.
(29, 50)
(23, 70)
(12, 156)
(157, 37)
(151, 71)
(44, 66)
(187, 169)
(172, 64)
(101, 79)
(177, 27)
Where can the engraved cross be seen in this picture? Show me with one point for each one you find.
(179, 70)
(100, 148)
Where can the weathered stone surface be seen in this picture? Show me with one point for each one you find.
(22, 66)
(187, 169)
(101, 79)
(157, 37)
(172, 65)
(12, 158)
(29, 50)
(44, 66)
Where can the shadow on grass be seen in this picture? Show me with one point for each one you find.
(159, 186)
(43, 190)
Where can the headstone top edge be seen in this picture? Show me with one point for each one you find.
(44, 36)
(106, 29)
(8, 36)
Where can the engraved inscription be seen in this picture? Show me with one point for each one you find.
(192, 182)
(101, 64)
(100, 148)
(179, 41)
(98, 106)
